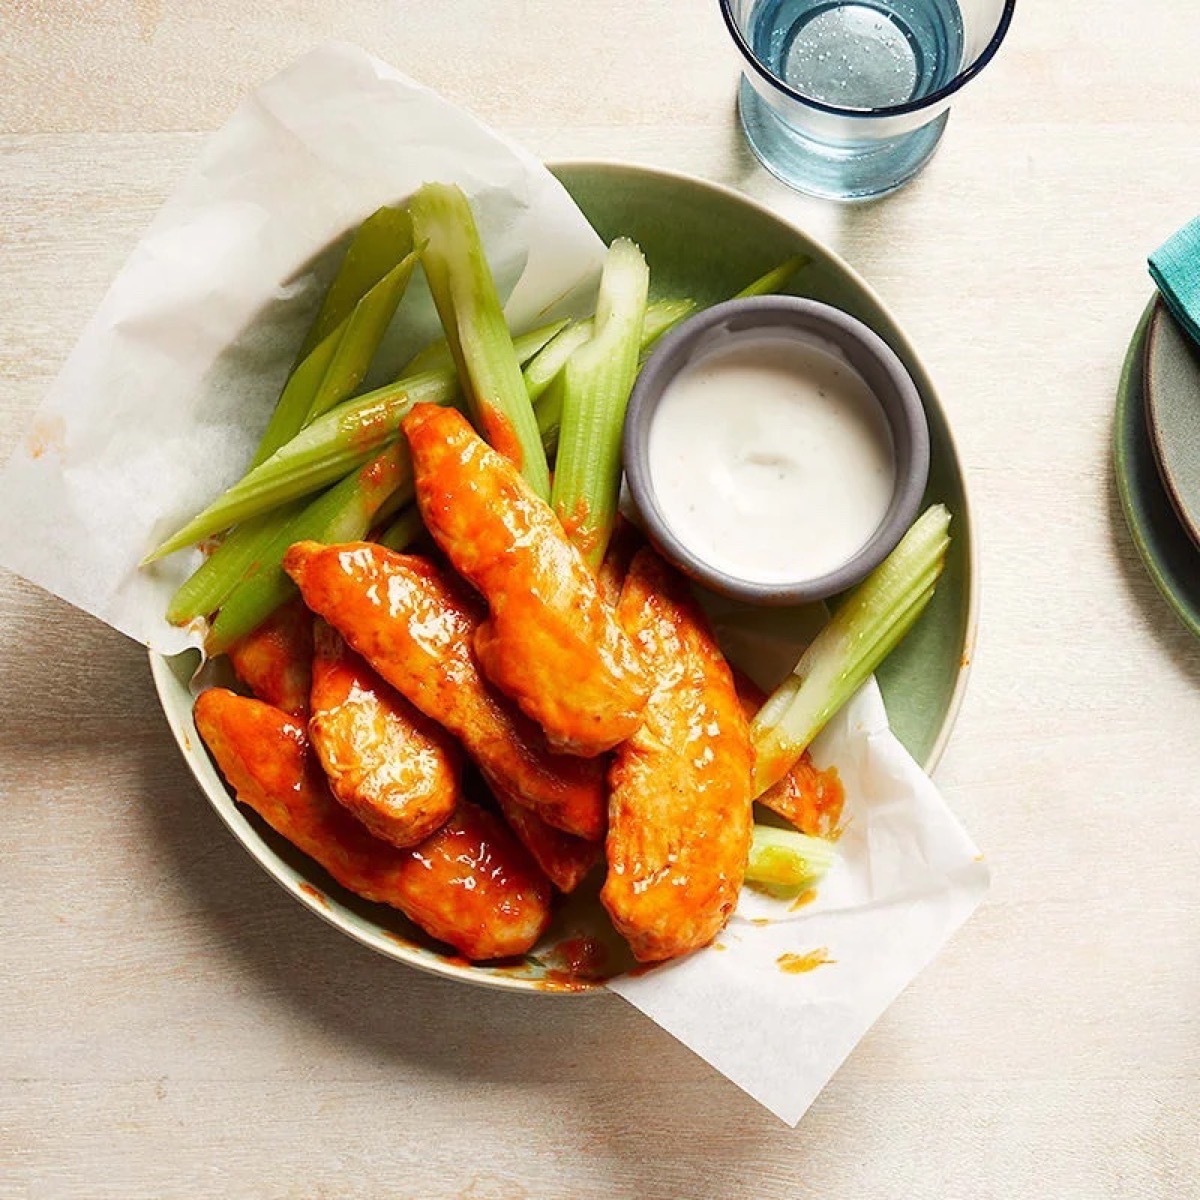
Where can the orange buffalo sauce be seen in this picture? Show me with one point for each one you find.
(800, 964)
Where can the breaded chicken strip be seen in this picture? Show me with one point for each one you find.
(551, 643)
(565, 859)
(416, 628)
(275, 660)
(470, 884)
(390, 765)
(679, 811)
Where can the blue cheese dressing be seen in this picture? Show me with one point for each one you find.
(771, 458)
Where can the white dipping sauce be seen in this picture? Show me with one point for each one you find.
(771, 458)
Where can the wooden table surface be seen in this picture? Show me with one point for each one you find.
(173, 1025)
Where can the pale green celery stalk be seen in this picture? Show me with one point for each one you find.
(403, 531)
(662, 316)
(465, 295)
(865, 629)
(787, 860)
(337, 365)
(335, 355)
(434, 357)
(205, 589)
(377, 245)
(545, 366)
(361, 335)
(342, 514)
(338, 442)
(391, 506)
(775, 279)
(903, 617)
(437, 354)
(597, 381)
(545, 383)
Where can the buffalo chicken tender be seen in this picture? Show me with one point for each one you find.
(416, 628)
(275, 660)
(566, 860)
(679, 820)
(809, 798)
(470, 884)
(392, 767)
(550, 643)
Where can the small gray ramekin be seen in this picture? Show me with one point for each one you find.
(813, 322)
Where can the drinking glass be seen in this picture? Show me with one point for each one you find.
(848, 98)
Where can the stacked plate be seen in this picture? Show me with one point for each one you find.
(1157, 453)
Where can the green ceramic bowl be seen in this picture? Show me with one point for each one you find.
(706, 242)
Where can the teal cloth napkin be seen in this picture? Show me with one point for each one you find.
(1175, 269)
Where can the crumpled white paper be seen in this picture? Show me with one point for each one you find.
(161, 402)
(907, 876)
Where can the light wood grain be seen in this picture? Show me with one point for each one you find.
(173, 1025)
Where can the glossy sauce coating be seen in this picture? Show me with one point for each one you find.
(275, 660)
(416, 627)
(625, 542)
(565, 859)
(808, 797)
(390, 765)
(679, 810)
(550, 643)
(470, 884)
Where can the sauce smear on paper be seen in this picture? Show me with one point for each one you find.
(800, 964)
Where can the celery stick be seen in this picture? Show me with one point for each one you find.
(342, 440)
(786, 859)
(548, 411)
(775, 279)
(342, 514)
(361, 334)
(545, 366)
(403, 531)
(338, 363)
(864, 630)
(219, 573)
(465, 295)
(434, 357)
(544, 380)
(437, 354)
(391, 506)
(597, 383)
(337, 351)
(338, 442)
(378, 244)
(662, 316)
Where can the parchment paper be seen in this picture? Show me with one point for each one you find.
(160, 404)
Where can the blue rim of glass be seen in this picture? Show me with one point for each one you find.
(893, 110)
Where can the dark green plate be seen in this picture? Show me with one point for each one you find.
(706, 242)
(1169, 554)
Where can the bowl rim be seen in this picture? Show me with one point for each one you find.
(161, 672)
(806, 320)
